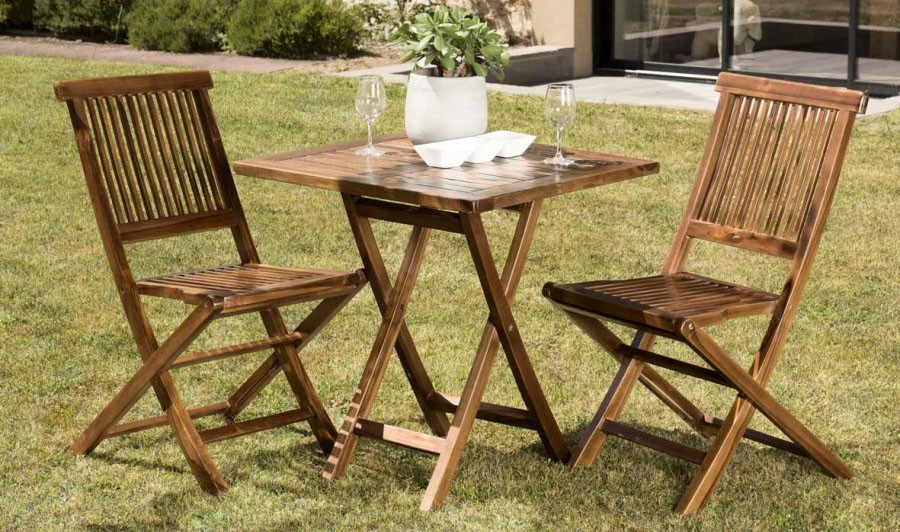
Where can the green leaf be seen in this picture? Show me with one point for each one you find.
(448, 63)
(425, 60)
(492, 50)
(422, 44)
(479, 69)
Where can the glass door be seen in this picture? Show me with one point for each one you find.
(804, 38)
(672, 32)
(878, 43)
(852, 43)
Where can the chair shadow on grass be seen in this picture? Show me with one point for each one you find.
(623, 474)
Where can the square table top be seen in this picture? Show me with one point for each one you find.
(401, 175)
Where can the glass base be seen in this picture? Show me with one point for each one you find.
(559, 160)
(369, 151)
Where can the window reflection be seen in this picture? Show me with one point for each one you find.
(799, 37)
(807, 38)
(879, 41)
(665, 31)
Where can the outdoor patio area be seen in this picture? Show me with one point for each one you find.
(65, 348)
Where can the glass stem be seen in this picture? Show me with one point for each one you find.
(559, 154)
(370, 145)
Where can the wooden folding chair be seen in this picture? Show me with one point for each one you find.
(155, 167)
(765, 184)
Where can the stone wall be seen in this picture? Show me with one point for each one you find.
(513, 18)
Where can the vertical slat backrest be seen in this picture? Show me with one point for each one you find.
(772, 195)
(156, 163)
(766, 161)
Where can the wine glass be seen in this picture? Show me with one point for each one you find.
(559, 108)
(370, 103)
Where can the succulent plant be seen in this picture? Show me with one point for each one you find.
(454, 41)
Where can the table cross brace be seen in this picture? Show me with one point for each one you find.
(501, 329)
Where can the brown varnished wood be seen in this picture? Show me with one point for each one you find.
(761, 437)
(499, 292)
(155, 167)
(505, 415)
(660, 301)
(756, 394)
(379, 281)
(735, 424)
(394, 313)
(409, 215)
(402, 177)
(200, 357)
(409, 439)
(400, 188)
(820, 96)
(765, 183)
(122, 429)
(632, 434)
(233, 430)
(309, 328)
(113, 86)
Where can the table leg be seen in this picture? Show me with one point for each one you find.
(501, 328)
(381, 289)
(385, 341)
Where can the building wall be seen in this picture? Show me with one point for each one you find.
(566, 23)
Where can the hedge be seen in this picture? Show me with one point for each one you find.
(16, 13)
(179, 25)
(90, 18)
(271, 28)
(293, 28)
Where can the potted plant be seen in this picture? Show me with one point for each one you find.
(454, 51)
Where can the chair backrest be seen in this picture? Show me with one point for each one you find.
(767, 177)
(770, 166)
(153, 159)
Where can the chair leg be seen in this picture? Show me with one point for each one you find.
(732, 431)
(310, 327)
(191, 443)
(140, 382)
(593, 437)
(754, 391)
(717, 458)
(300, 383)
(630, 371)
(153, 372)
(653, 381)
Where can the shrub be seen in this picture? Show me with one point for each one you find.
(179, 25)
(293, 28)
(91, 18)
(15, 13)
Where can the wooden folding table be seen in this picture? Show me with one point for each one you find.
(398, 187)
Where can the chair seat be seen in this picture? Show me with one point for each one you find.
(250, 284)
(662, 301)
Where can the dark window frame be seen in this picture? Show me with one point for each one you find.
(605, 63)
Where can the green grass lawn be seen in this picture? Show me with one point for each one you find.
(65, 348)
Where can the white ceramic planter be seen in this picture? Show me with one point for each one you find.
(445, 108)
